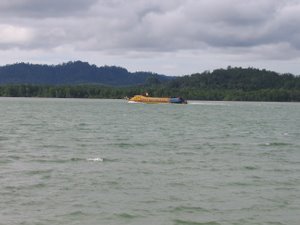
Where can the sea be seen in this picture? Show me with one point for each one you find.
(95, 161)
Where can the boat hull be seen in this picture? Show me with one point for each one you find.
(155, 100)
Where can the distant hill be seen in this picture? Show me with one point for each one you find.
(237, 78)
(73, 73)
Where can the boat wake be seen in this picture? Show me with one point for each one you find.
(208, 103)
(98, 159)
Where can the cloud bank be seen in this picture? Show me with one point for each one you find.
(181, 33)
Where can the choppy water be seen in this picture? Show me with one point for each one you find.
(67, 161)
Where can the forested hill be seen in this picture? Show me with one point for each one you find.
(246, 79)
(73, 73)
(233, 84)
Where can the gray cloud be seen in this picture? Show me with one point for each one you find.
(43, 8)
(254, 28)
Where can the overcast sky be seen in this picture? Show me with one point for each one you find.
(173, 37)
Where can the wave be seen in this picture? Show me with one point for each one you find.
(276, 144)
(98, 159)
(127, 215)
(187, 222)
(251, 167)
(189, 209)
(5, 161)
(65, 160)
(37, 172)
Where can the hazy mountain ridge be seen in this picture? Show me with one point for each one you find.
(73, 73)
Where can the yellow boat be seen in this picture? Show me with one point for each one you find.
(156, 100)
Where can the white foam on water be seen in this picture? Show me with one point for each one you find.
(98, 159)
(206, 103)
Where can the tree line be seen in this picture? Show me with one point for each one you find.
(93, 91)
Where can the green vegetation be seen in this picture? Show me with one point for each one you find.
(73, 73)
(231, 84)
